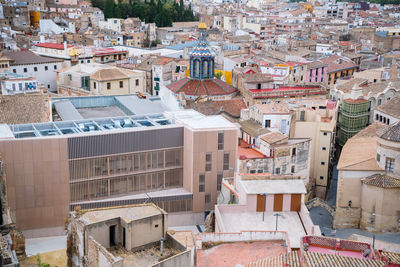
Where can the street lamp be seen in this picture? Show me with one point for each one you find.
(276, 221)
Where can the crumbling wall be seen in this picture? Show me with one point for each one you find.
(75, 243)
(99, 256)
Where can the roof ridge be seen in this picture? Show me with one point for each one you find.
(215, 81)
(182, 84)
(197, 87)
(357, 163)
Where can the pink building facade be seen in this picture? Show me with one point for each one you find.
(316, 72)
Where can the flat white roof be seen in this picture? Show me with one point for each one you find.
(293, 186)
(5, 132)
(196, 120)
(288, 221)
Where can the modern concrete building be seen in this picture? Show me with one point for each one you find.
(176, 159)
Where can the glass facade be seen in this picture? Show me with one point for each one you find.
(353, 117)
(117, 175)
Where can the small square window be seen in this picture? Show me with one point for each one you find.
(321, 177)
(121, 84)
(34, 68)
(108, 86)
(322, 162)
(325, 133)
(14, 71)
(278, 171)
(55, 67)
(323, 148)
(25, 70)
(46, 68)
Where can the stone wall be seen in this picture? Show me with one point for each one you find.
(99, 256)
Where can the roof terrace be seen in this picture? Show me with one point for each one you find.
(84, 126)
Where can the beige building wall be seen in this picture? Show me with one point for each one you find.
(349, 189)
(196, 145)
(37, 181)
(322, 136)
(379, 211)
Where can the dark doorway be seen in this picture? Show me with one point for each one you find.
(112, 236)
(123, 237)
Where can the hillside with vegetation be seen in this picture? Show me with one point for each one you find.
(160, 12)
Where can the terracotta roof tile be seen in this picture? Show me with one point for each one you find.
(274, 137)
(336, 63)
(280, 108)
(391, 108)
(392, 133)
(18, 109)
(195, 87)
(108, 74)
(382, 180)
(231, 107)
(257, 77)
(321, 260)
(359, 151)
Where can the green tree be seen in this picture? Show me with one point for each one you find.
(109, 8)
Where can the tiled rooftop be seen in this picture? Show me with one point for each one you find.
(230, 254)
(382, 180)
(195, 87)
(391, 107)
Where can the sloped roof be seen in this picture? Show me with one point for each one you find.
(393, 133)
(19, 109)
(108, 74)
(276, 108)
(382, 180)
(315, 259)
(257, 77)
(231, 107)
(28, 57)
(337, 63)
(253, 128)
(196, 87)
(274, 137)
(359, 151)
(391, 107)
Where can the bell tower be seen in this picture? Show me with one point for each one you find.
(202, 57)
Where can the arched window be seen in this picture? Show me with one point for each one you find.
(205, 69)
(196, 68)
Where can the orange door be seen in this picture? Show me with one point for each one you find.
(260, 203)
(295, 202)
(278, 202)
